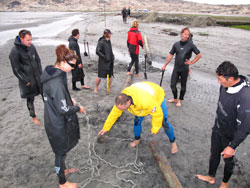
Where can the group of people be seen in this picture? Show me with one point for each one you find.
(125, 14)
(140, 99)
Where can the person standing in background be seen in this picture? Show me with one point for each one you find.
(106, 59)
(133, 42)
(26, 66)
(77, 72)
(128, 12)
(183, 50)
(124, 15)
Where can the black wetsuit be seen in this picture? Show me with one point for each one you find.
(231, 125)
(183, 51)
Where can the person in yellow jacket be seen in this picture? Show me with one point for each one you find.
(142, 99)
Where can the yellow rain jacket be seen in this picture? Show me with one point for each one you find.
(147, 98)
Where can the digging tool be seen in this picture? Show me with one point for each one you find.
(162, 74)
(145, 72)
(88, 49)
(85, 53)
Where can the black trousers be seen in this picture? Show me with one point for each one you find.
(134, 60)
(183, 75)
(60, 167)
(218, 144)
(74, 83)
(31, 107)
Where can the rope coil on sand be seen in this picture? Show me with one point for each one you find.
(93, 168)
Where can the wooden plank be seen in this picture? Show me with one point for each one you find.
(166, 170)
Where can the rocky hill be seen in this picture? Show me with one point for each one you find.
(171, 6)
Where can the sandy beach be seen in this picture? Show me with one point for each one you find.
(26, 158)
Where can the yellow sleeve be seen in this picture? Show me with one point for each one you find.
(157, 118)
(112, 117)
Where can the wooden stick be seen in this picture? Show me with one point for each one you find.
(166, 170)
(129, 79)
(147, 51)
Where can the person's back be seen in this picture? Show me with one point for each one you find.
(133, 42)
(146, 95)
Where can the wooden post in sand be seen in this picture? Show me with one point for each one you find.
(166, 170)
(147, 51)
(129, 79)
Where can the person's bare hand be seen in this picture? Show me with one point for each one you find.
(163, 68)
(80, 66)
(74, 101)
(28, 84)
(228, 152)
(101, 132)
(82, 109)
(188, 62)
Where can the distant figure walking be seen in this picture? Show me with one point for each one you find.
(26, 65)
(133, 42)
(106, 59)
(128, 12)
(183, 50)
(60, 119)
(124, 15)
(77, 72)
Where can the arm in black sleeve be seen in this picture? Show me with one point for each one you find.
(61, 103)
(38, 61)
(17, 70)
(195, 49)
(172, 51)
(243, 120)
(99, 50)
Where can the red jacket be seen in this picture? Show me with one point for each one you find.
(134, 40)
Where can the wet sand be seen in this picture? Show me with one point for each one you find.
(26, 158)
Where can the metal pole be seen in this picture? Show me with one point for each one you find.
(104, 14)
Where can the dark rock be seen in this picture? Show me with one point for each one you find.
(14, 4)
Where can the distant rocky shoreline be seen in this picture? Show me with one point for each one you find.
(169, 6)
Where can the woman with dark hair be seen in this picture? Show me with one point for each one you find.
(60, 119)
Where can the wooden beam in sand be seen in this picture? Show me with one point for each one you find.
(147, 51)
(129, 79)
(166, 170)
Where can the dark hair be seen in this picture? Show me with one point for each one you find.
(24, 32)
(75, 32)
(185, 29)
(122, 99)
(227, 69)
(64, 54)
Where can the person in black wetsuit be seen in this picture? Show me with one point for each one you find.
(183, 50)
(232, 122)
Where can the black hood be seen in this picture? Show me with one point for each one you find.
(101, 38)
(71, 38)
(17, 42)
(51, 72)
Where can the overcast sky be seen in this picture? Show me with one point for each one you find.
(225, 2)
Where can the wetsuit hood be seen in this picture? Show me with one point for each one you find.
(17, 42)
(50, 72)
